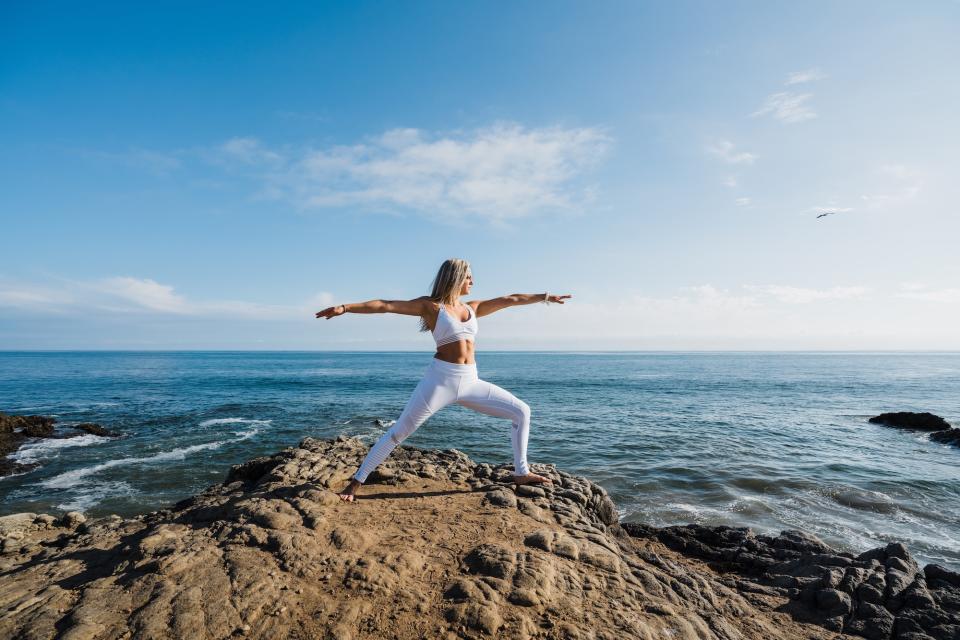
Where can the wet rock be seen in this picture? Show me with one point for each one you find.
(16, 431)
(950, 436)
(935, 572)
(37, 426)
(10, 468)
(97, 430)
(911, 420)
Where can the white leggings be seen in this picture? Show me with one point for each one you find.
(443, 384)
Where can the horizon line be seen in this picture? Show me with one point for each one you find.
(860, 351)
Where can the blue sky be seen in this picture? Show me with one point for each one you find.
(207, 176)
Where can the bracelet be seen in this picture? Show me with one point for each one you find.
(546, 298)
(344, 307)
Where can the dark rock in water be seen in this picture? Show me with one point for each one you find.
(10, 442)
(24, 426)
(15, 430)
(910, 420)
(10, 468)
(873, 595)
(37, 426)
(97, 430)
(11, 437)
(950, 436)
(942, 431)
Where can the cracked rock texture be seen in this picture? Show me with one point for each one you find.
(437, 546)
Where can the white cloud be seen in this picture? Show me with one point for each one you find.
(743, 202)
(497, 173)
(786, 107)
(19, 297)
(245, 150)
(724, 150)
(800, 77)
(730, 181)
(801, 295)
(144, 293)
(124, 294)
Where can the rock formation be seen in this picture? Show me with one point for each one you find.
(911, 420)
(15, 431)
(940, 429)
(435, 546)
(881, 593)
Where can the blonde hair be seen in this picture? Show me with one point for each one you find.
(447, 283)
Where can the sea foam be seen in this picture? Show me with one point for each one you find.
(71, 478)
(50, 448)
(216, 421)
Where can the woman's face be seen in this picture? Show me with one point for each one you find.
(467, 284)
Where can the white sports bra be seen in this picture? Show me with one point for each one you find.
(451, 329)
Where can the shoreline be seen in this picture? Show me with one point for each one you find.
(276, 549)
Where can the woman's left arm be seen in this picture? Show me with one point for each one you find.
(486, 307)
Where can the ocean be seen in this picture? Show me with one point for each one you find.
(766, 440)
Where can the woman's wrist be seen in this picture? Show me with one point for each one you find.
(344, 307)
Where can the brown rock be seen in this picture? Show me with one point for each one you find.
(274, 553)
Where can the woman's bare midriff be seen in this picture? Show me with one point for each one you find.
(459, 352)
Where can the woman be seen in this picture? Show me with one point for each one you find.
(452, 374)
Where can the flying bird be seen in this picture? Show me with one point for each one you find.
(826, 213)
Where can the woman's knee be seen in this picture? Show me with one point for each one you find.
(400, 431)
(524, 411)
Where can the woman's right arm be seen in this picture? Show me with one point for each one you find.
(415, 307)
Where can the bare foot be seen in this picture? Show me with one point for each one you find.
(531, 478)
(347, 494)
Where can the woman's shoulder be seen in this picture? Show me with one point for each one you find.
(431, 306)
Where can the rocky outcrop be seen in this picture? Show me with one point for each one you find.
(940, 429)
(96, 430)
(435, 546)
(878, 594)
(950, 436)
(912, 420)
(15, 431)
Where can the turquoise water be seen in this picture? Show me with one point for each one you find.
(767, 440)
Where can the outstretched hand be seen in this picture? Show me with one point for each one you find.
(558, 299)
(332, 312)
